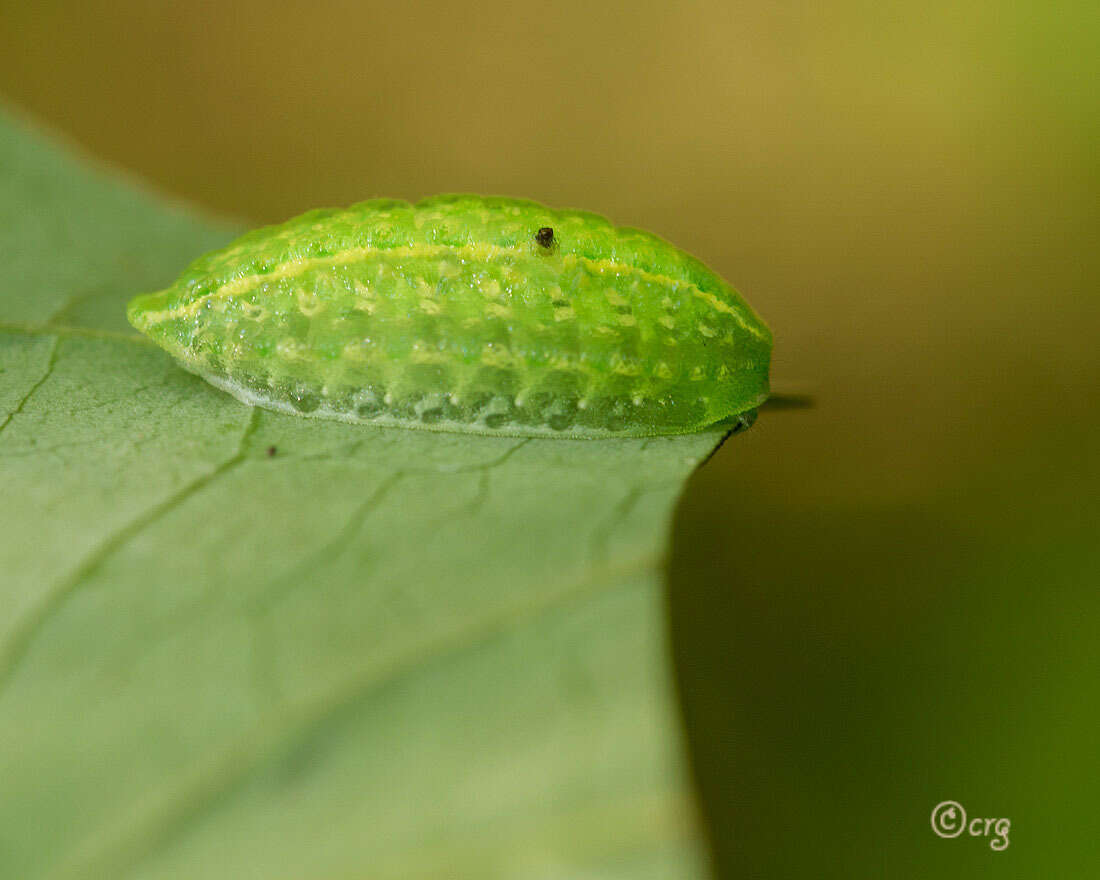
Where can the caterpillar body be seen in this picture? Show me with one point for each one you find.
(466, 313)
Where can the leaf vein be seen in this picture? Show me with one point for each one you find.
(26, 631)
(50, 364)
(17, 328)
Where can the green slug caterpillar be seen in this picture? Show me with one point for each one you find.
(466, 313)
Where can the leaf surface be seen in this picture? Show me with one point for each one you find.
(241, 644)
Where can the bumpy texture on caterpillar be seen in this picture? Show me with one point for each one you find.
(466, 313)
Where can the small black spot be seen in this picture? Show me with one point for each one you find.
(271, 450)
(545, 237)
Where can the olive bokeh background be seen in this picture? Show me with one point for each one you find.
(878, 603)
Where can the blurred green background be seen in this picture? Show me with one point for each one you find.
(882, 602)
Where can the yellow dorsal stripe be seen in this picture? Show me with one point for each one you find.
(294, 268)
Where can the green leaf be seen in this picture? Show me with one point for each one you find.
(241, 644)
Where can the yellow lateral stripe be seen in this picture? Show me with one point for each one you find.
(293, 268)
(707, 297)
